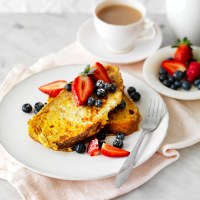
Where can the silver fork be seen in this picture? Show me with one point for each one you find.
(149, 124)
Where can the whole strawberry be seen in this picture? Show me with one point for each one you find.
(193, 71)
(184, 51)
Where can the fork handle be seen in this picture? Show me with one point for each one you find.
(129, 163)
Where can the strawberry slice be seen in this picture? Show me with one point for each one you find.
(53, 88)
(82, 88)
(100, 73)
(93, 148)
(173, 65)
(110, 151)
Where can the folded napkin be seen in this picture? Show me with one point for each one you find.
(184, 117)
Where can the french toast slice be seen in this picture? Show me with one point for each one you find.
(124, 120)
(61, 123)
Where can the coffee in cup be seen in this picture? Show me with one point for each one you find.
(113, 14)
(120, 23)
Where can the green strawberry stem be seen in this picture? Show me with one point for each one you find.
(184, 41)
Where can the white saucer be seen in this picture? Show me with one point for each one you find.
(93, 44)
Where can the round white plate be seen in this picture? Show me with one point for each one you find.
(151, 70)
(93, 44)
(67, 165)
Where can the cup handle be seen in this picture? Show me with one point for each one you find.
(149, 30)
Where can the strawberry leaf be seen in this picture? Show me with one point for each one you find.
(184, 41)
(88, 71)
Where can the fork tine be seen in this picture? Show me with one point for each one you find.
(150, 108)
(154, 111)
(159, 109)
(162, 109)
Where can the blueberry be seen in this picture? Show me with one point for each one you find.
(101, 92)
(100, 84)
(170, 58)
(178, 75)
(162, 71)
(118, 143)
(173, 86)
(135, 96)
(98, 103)
(163, 77)
(167, 83)
(197, 82)
(38, 106)
(122, 105)
(131, 90)
(80, 147)
(178, 84)
(171, 79)
(112, 88)
(198, 87)
(90, 101)
(107, 87)
(186, 85)
(68, 86)
(101, 135)
(27, 108)
(120, 136)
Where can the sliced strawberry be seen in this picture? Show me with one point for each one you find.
(173, 65)
(184, 51)
(82, 88)
(53, 88)
(93, 148)
(110, 151)
(193, 71)
(100, 73)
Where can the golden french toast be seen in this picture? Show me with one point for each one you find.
(61, 123)
(124, 120)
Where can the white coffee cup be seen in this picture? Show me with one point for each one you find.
(121, 38)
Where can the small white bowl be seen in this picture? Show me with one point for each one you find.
(151, 74)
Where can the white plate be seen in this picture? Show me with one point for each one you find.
(93, 44)
(66, 165)
(151, 70)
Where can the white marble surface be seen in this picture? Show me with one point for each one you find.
(24, 38)
(63, 6)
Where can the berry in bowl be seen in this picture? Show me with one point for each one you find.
(174, 71)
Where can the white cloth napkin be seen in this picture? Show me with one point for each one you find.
(184, 117)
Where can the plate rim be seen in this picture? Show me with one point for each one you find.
(179, 95)
(78, 35)
(53, 175)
